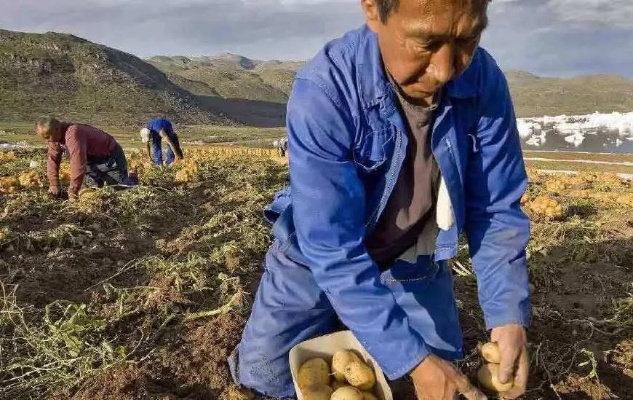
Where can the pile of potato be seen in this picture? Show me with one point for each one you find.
(26, 180)
(7, 156)
(29, 179)
(556, 186)
(187, 173)
(625, 199)
(547, 207)
(488, 374)
(9, 184)
(347, 378)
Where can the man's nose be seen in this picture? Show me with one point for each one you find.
(442, 65)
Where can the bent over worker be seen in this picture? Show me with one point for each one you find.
(403, 135)
(282, 147)
(153, 135)
(91, 151)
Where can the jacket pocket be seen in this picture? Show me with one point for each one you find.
(279, 204)
(279, 214)
(374, 149)
(411, 277)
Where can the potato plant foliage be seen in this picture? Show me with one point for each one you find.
(143, 293)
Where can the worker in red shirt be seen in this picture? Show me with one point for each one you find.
(92, 151)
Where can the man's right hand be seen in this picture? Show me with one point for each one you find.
(437, 379)
(57, 194)
(54, 193)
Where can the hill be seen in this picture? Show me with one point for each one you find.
(538, 96)
(234, 76)
(79, 80)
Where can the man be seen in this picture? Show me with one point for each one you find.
(90, 150)
(403, 135)
(153, 135)
(283, 147)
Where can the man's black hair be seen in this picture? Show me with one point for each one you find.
(386, 7)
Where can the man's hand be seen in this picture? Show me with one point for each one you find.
(515, 362)
(54, 193)
(437, 379)
(57, 194)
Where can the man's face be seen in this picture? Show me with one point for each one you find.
(52, 135)
(41, 132)
(427, 43)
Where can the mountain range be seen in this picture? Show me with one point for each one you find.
(84, 81)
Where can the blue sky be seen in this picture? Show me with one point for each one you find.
(546, 37)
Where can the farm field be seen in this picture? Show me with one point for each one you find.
(207, 136)
(569, 155)
(22, 133)
(143, 293)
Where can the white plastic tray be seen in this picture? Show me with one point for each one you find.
(325, 347)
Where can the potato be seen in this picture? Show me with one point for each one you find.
(340, 360)
(369, 396)
(314, 372)
(319, 392)
(359, 375)
(490, 353)
(337, 385)
(347, 393)
(488, 375)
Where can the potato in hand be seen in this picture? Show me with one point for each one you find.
(488, 375)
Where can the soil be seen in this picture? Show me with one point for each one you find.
(576, 351)
(190, 363)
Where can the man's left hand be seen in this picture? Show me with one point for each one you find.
(515, 362)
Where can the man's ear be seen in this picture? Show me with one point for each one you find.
(372, 14)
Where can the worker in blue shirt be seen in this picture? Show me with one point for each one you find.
(403, 135)
(157, 130)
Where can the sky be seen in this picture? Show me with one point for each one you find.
(545, 37)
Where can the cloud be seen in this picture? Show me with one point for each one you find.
(608, 13)
(550, 37)
(262, 28)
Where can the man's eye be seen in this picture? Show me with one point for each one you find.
(468, 41)
(425, 47)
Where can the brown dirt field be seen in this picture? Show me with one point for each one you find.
(564, 155)
(171, 271)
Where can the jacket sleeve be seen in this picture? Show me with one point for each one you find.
(78, 160)
(497, 229)
(328, 201)
(53, 160)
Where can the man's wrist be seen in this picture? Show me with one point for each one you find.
(424, 359)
